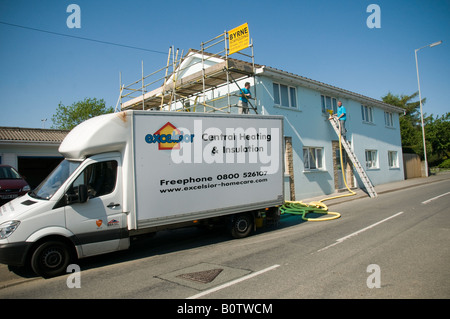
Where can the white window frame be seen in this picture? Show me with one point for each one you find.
(372, 159)
(367, 113)
(328, 106)
(313, 158)
(393, 159)
(282, 98)
(388, 119)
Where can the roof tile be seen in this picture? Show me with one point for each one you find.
(20, 134)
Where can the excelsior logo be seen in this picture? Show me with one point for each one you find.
(169, 137)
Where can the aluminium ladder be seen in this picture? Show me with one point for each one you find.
(359, 169)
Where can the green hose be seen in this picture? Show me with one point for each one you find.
(299, 208)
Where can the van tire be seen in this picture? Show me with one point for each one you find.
(242, 225)
(51, 259)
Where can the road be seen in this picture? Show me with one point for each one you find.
(393, 246)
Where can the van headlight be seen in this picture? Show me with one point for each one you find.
(26, 188)
(6, 229)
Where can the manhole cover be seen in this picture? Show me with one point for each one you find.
(202, 276)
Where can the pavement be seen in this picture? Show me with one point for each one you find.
(380, 189)
(10, 278)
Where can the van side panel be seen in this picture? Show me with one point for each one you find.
(191, 166)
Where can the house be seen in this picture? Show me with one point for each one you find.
(33, 152)
(373, 131)
(204, 82)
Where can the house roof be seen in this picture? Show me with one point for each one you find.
(216, 75)
(307, 82)
(31, 135)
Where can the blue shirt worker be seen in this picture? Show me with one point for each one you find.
(243, 100)
(342, 117)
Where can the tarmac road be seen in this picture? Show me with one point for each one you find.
(393, 246)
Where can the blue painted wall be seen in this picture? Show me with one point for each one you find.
(309, 127)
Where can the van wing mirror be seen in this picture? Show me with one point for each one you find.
(82, 193)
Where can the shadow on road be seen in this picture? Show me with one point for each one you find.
(166, 242)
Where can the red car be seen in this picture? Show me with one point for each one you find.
(12, 184)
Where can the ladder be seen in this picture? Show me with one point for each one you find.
(359, 169)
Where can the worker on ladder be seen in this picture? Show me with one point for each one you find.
(342, 117)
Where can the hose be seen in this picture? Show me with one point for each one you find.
(299, 208)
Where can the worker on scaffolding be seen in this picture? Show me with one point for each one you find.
(243, 100)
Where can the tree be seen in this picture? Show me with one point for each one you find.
(437, 129)
(67, 117)
(404, 101)
(438, 135)
(410, 123)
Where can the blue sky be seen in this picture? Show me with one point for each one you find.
(328, 41)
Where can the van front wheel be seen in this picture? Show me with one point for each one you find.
(50, 259)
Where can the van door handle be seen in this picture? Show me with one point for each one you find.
(112, 205)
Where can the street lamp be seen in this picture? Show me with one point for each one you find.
(420, 102)
(43, 123)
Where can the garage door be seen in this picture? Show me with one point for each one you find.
(36, 168)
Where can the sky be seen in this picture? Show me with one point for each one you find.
(325, 40)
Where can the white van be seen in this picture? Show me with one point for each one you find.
(137, 172)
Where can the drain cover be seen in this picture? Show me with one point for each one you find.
(204, 277)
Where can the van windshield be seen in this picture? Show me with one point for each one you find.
(53, 182)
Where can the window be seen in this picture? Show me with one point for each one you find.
(371, 159)
(284, 95)
(100, 178)
(393, 159)
(328, 104)
(388, 119)
(9, 173)
(293, 97)
(366, 112)
(313, 158)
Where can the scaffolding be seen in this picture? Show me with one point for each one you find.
(190, 83)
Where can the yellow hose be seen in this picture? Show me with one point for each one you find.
(299, 208)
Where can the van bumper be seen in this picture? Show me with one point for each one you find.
(13, 254)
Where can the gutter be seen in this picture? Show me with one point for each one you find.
(33, 143)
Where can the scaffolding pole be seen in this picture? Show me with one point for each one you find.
(165, 78)
(228, 76)
(194, 86)
(143, 90)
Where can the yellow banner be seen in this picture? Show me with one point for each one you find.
(238, 39)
